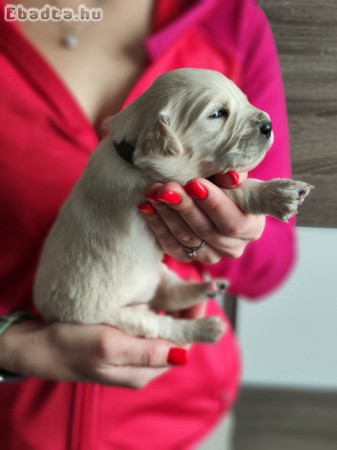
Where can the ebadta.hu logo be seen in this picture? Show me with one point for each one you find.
(46, 13)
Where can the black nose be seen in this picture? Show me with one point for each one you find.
(266, 129)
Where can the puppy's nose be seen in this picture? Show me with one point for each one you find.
(266, 129)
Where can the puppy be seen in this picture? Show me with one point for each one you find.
(100, 263)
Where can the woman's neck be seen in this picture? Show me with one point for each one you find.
(110, 55)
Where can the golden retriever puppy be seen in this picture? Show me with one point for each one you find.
(100, 263)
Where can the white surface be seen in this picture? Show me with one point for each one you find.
(290, 338)
(222, 436)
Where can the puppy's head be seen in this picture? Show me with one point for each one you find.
(193, 123)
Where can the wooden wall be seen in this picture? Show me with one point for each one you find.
(306, 38)
(286, 419)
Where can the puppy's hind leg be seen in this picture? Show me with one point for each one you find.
(142, 322)
(174, 294)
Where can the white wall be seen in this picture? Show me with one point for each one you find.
(290, 338)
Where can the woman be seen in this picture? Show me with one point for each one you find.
(53, 101)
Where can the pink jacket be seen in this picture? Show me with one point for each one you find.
(45, 142)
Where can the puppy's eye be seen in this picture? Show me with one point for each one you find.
(218, 114)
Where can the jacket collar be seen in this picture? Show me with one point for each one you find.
(192, 12)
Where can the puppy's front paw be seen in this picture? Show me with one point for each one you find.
(284, 197)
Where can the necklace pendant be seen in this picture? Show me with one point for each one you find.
(69, 41)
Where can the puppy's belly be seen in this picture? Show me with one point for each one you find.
(77, 285)
(95, 298)
(105, 300)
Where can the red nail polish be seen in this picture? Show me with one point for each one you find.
(196, 190)
(146, 208)
(171, 197)
(153, 198)
(234, 176)
(177, 356)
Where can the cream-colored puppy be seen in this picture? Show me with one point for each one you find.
(100, 263)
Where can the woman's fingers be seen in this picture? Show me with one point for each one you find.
(207, 212)
(184, 216)
(172, 225)
(133, 351)
(108, 344)
(136, 361)
(165, 238)
(101, 354)
(181, 214)
(229, 180)
(226, 216)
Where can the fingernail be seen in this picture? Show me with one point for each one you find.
(153, 198)
(177, 356)
(196, 190)
(171, 197)
(146, 208)
(235, 177)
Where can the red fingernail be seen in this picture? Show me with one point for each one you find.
(177, 356)
(234, 176)
(171, 197)
(153, 198)
(146, 208)
(196, 190)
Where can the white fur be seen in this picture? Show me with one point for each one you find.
(100, 263)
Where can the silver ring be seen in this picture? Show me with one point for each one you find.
(192, 251)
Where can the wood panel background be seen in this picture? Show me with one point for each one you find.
(285, 419)
(306, 36)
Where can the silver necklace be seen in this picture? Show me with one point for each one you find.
(71, 29)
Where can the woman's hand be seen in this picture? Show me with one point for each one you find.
(88, 353)
(184, 216)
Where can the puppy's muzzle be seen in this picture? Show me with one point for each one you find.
(266, 129)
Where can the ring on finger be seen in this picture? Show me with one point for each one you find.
(192, 251)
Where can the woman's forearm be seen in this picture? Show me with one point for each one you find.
(13, 343)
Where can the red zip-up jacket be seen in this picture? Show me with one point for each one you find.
(45, 143)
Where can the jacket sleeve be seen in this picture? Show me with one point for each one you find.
(266, 262)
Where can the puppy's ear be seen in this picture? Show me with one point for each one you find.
(161, 139)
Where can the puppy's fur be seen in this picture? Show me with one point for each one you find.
(100, 263)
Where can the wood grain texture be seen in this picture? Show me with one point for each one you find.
(306, 37)
(284, 419)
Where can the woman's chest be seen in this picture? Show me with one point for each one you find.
(108, 59)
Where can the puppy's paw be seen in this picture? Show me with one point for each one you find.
(284, 197)
(217, 287)
(210, 329)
